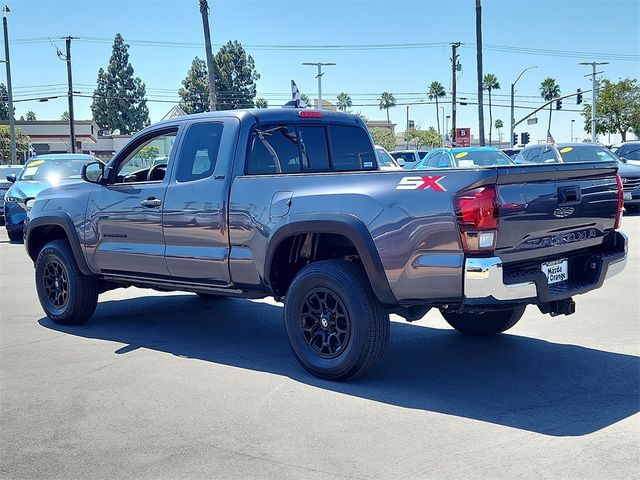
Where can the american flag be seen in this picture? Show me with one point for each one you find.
(295, 93)
(447, 141)
(550, 138)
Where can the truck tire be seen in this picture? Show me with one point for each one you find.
(484, 323)
(336, 327)
(15, 235)
(67, 296)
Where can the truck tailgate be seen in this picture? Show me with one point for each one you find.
(549, 210)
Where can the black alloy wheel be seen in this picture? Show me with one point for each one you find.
(56, 284)
(325, 323)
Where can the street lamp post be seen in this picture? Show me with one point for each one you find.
(513, 117)
(319, 77)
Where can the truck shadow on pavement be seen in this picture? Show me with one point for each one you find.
(525, 383)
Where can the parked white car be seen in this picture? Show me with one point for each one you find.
(385, 161)
(409, 157)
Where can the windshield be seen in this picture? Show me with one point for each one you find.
(406, 156)
(586, 153)
(481, 158)
(384, 159)
(52, 170)
(631, 152)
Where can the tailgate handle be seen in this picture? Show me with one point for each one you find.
(569, 194)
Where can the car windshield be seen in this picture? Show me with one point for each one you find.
(52, 170)
(632, 152)
(406, 156)
(586, 153)
(384, 159)
(480, 158)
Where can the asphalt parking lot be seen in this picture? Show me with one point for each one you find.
(173, 386)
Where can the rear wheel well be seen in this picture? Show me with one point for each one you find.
(42, 235)
(296, 251)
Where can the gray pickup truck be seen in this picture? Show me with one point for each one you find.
(290, 203)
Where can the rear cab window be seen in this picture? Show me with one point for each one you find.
(299, 148)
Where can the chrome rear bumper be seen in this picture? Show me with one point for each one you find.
(484, 278)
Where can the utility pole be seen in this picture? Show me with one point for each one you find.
(204, 10)
(72, 125)
(12, 120)
(594, 136)
(513, 115)
(407, 130)
(479, 61)
(319, 77)
(454, 64)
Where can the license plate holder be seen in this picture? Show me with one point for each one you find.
(626, 196)
(556, 271)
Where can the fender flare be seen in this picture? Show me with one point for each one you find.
(348, 226)
(60, 219)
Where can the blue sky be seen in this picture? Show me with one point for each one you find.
(599, 31)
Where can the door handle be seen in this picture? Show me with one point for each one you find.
(151, 202)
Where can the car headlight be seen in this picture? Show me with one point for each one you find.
(10, 199)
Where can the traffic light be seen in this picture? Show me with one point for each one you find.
(579, 97)
(515, 139)
(558, 104)
(525, 138)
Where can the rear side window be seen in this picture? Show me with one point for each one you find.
(199, 152)
(445, 161)
(533, 156)
(351, 149)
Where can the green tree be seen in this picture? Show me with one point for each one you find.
(617, 108)
(65, 116)
(489, 83)
(305, 98)
(387, 101)
(362, 116)
(498, 124)
(383, 137)
(236, 77)
(261, 103)
(429, 138)
(344, 101)
(194, 93)
(119, 98)
(148, 153)
(4, 102)
(436, 91)
(549, 90)
(31, 116)
(22, 144)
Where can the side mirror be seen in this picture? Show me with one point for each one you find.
(93, 172)
(400, 161)
(11, 178)
(624, 160)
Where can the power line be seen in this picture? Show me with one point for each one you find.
(358, 47)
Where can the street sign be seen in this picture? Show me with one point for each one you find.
(463, 137)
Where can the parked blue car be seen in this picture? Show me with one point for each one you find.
(463, 157)
(39, 173)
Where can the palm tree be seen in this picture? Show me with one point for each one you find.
(436, 91)
(490, 82)
(387, 101)
(498, 126)
(344, 101)
(305, 98)
(549, 90)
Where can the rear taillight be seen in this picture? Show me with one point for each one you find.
(618, 221)
(477, 217)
